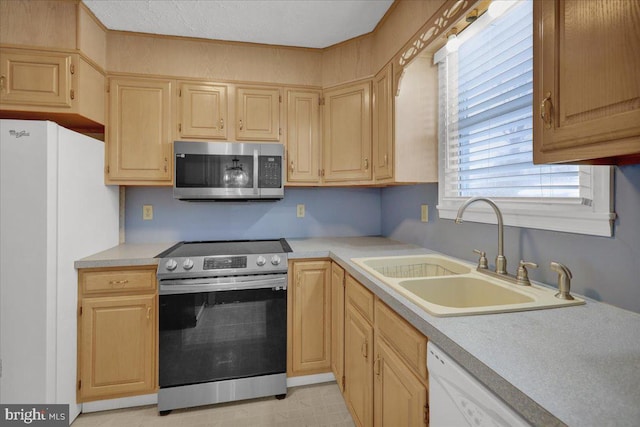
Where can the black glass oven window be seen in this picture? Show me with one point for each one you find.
(214, 171)
(222, 335)
(270, 171)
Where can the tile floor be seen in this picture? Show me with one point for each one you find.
(314, 405)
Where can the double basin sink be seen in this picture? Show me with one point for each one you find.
(447, 287)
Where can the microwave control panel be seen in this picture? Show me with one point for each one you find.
(269, 171)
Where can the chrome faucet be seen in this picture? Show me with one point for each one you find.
(501, 261)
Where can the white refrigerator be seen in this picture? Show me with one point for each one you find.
(54, 209)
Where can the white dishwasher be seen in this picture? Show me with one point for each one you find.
(457, 399)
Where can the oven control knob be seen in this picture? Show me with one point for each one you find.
(171, 264)
(261, 261)
(275, 260)
(187, 264)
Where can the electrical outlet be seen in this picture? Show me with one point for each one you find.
(424, 213)
(300, 211)
(147, 212)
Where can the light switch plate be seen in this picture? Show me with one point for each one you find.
(424, 213)
(300, 211)
(147, 212)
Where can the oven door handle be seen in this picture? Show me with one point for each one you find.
(188, 286)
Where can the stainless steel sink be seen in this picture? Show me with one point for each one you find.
(444, 286)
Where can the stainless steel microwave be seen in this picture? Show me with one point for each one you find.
(228, 171)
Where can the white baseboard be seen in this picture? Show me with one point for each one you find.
(125, 402)
(310, 379)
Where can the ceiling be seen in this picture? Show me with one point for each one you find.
(303, 23)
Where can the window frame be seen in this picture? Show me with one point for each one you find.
(592, 216)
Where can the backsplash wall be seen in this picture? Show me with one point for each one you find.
(605, 269)
(339, 212)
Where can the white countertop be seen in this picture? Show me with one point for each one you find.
(578, 365)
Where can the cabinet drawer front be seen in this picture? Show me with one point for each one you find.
(360, 297)
(406, 340)
(118, 280)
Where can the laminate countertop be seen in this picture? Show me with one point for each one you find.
(576, 366)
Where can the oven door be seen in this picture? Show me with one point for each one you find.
(228, 333)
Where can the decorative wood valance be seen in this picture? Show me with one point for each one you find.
(449, 13)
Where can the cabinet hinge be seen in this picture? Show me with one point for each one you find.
(321, 101)
(343, 383)
(179, 127)
(80, 311)
(426, 414)
(179, 92)
(72, 69)
(72, 93)
(108, 169)
(279, 131)
(279, 98)
(79, 384)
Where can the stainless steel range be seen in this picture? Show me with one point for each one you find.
(223, 322)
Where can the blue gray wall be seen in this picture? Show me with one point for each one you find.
(605, 269)
(329, 212)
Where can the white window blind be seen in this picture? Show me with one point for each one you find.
(486, 124)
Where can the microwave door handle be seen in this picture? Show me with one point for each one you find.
(256, 172)
(187, 287)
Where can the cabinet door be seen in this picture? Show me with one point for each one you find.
(202, 111)
(139, 132)
(257, 114)
(347, 133)
(586, 84)
(400, 399)
(383, 125)
(337, 324)
(117, 346)
(303, 136)
(310, 331)
(358, 365)
(40, 79)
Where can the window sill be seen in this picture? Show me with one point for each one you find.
(536, 213)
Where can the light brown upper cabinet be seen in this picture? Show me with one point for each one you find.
(51, 85)
(257, 113)
(139, 142)
(347, 133)
(303, 137)
(586, 81)
(202, 111)
(383, 125)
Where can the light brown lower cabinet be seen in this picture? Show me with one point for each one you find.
(386, 382)
(309, 317)
(337, 323)
(117, 333)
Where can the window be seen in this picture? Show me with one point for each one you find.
(486, 135)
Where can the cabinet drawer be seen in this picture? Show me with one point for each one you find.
(406, 340)
(360, 298)
(118, 280)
